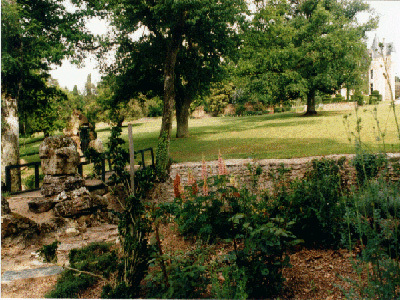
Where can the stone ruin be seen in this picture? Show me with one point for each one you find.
(63, 188)
(64, 196)
(77, 122)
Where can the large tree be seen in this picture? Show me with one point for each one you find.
(34, 35)
(179, 53)
(299, 48)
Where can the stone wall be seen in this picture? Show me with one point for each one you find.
(240, 169)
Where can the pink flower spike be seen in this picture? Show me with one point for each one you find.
(221, 165)
(205, 188)
(191, 179)
(204, 170)
(177, 186)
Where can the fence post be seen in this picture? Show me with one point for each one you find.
(132, 158)
(8, 178)
(36, 176)
(80, 169)
(143, 163)
(103, 170)
(152, 157)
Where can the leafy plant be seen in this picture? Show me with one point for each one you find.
(207, 215)
(87, 265)
(242, 219)
(134, 228)
(49, 252)
(187, 276)
(368, 165)
(231, 284)
(314, 204)
(118, 157)
(373, 217)
(263, 255)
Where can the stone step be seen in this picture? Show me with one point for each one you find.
(9, 276)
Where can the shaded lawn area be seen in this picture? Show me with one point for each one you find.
(283, 135)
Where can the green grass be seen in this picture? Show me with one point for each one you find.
(284, 135)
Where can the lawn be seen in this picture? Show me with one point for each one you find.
(283, 135)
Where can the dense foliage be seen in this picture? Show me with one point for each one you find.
(35, 35)
(95, 261)
(179, 53)
(298, 49)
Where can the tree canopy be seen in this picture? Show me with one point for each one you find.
(296, 49)
(36, 35)
(180, 50)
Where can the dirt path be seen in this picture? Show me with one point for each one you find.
(16, 259)
(23, 273)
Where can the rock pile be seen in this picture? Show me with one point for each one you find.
(63, 188)
(13, 223)
(79, 124)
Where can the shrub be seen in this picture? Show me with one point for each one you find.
(314, 203)
(338, 98)
(373, 217)
(155, 107)
(239, 217)
(359, 98)
(375, 97)
(96, 259)
(368, 165)
(262, 257)
(187, 276)
(49, 252)
(326, 99)
(240, 109)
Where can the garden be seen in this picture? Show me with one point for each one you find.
(222, 237)
(329, 232)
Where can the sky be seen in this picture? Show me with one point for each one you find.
(388, 28)
(69, 75)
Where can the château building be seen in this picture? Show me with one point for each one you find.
(379, 70)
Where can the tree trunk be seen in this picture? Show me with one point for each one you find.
(10, 139)
(182, 118)
(311, 103)
(169, 88)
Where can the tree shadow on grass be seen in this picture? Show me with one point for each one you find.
(258, 148)
(243, 125)
(28, 141)
(238, 124)
(108, 129)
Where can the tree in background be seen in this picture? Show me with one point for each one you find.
(43, 110)
(330, 45)
(300, 48)
(35, 34)
(264, 71)
(221, 94)
(179, 52)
